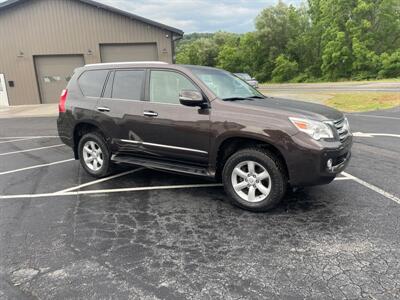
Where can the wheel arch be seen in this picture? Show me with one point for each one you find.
(229, 145)
(80, 130)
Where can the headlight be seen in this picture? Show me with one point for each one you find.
(346, 125)
(316, 129)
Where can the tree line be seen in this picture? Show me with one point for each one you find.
(320, 40)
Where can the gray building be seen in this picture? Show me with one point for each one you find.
(43, 41)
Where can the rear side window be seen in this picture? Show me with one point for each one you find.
(128, 84)
(92, 82)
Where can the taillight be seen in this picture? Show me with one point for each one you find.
(63, 99)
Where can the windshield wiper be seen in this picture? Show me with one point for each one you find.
(234, 98)
(256, 97)
(243, 98)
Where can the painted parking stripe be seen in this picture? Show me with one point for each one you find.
(37, 166)
(373, 187)
(120, 190)
(4, 140)
(370, 135)
(98, 181)
(14, 141)
(28, 137)
(108, 191)
(342, 178)
(374, 116)
(33, 149)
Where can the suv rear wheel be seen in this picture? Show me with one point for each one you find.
(254, 179)
(94, 155)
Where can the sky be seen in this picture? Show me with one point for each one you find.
(199, 15)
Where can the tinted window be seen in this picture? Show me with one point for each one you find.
(91, 82)
(128, 84)
(165, 86)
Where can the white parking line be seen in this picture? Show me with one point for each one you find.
(98, 181)
(37, 166)
(362, 134)
(70, 192)
(28, 137)
(20, 139)
(342, 178)
(30, 150)
(14, 141)
(108, 191)
(373, 187)
(374, 116)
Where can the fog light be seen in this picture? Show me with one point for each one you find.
(329, 163)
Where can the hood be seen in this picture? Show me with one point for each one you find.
(293, 108)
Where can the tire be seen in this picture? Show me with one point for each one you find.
(95, 141)
(264, 190)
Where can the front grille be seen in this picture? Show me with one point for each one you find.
(342, 129)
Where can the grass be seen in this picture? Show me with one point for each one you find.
(342, 81)
(356, 102)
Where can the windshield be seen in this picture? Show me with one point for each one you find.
(225, 85)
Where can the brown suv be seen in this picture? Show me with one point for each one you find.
(201, 121)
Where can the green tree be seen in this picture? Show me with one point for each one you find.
(284, 70)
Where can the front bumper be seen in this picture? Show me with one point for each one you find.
(309, 166)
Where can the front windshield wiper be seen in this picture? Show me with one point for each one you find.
(256, 97)
(234, 98)
(243, 98)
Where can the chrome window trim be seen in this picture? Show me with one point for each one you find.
(164, 146)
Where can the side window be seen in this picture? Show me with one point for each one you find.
(165, 86)
(92, 82)
(128, 84)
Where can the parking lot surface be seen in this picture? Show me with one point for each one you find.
(144, 234)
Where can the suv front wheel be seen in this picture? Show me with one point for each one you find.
(255, 179)
(94, 155)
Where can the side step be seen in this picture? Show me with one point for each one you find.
(161, 165)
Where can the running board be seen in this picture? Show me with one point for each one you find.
(161, 165)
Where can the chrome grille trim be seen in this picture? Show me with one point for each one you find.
(341, 130)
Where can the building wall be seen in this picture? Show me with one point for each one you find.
(47, 27)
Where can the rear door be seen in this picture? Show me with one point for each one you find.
(120, 111)
(171, 130)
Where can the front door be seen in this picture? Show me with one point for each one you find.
(3, 91)
(171, 130)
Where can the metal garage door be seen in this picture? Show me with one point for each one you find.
(128, 52)
(53, 73)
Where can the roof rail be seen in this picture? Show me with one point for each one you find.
(128, 63)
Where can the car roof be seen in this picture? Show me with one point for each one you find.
(144, 64)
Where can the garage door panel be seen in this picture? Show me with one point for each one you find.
(128, 52)
(53, 73)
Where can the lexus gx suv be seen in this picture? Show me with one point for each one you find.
(201, 121)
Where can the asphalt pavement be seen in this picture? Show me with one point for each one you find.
(144, 234)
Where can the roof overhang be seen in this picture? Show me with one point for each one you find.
(11, 3)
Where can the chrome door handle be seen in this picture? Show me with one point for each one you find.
(150, 114)
(103, 109)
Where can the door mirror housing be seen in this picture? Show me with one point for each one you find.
(191, 98)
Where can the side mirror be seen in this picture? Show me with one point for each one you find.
(191, 98)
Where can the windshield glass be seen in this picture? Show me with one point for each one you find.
(224, 84)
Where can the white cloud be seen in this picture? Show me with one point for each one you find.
(199, 15)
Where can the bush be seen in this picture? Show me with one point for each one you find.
(390, 65)
(285, 69)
